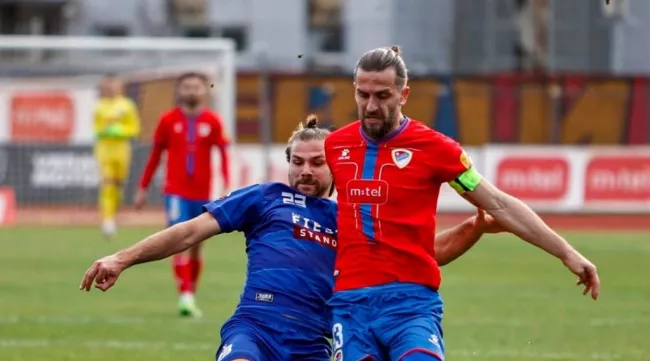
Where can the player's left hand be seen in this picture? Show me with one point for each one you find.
(485, 223)
(140, 199)
(104, 273)
(586, 272)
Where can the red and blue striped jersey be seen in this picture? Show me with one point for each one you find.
(188, 141)
(387, 196)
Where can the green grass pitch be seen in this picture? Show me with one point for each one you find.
(505, 300)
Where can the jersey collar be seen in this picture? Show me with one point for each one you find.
(388, 136)
(191, 116)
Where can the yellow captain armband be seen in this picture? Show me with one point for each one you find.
(467, 181)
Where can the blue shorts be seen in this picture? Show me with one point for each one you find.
(271, 340)
(179, 209)
(387, 322)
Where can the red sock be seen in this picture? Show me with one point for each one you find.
(195, 271)
(183, 273)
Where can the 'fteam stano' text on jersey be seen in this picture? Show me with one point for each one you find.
(291, 242)
(387, 196)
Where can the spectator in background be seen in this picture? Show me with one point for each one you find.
(532, 26)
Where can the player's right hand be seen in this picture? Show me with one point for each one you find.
(586, 272)
(140, 198)
(104, 273)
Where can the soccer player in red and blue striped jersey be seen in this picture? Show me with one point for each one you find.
(188, 133)
(388, 170)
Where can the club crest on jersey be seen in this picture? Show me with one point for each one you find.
(401, 157)
(204, 130)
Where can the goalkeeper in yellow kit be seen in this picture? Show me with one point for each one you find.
(116, 124)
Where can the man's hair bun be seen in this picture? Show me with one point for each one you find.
(311, 121)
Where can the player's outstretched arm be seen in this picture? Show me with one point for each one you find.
(454, 242)
(178, 238)
(516, 217)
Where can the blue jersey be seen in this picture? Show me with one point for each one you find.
(291, 247)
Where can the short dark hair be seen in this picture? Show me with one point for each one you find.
(306, 131)
(381, 59)
(190, 75)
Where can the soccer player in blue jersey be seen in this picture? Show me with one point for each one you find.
(291, 241)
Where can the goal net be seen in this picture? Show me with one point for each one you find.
(48, 88)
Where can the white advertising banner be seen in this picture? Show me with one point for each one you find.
(616, 179)
(549, 179)
(546, 178)
(573, 179)
(42, 111)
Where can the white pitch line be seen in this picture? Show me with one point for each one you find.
(84, 320)
(105, 344)
(518, 354)
(139, 345)
(515, 322)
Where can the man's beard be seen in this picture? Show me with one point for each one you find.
(378, 131)
(191, 101)
(317, 190)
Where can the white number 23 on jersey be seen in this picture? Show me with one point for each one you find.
(295, 199)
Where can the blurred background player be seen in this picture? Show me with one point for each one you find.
(116, 124)
(188, 134)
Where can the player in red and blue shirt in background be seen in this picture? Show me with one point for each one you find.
(188, 133)
(388, 170)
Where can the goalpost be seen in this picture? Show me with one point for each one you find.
(137, 57)
(49, 86)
